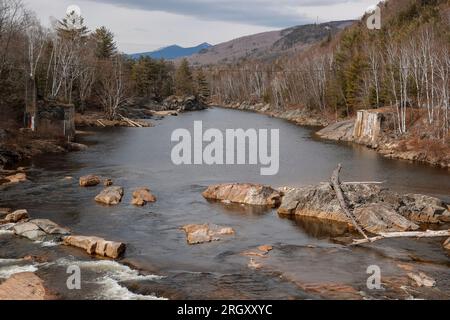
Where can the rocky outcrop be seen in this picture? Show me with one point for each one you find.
(340, 131)
(96, 246)
(110, 196)
(25, 286)
(142, 196)
(190, 103)
(108, 182)
(376, 209)
(40, 230)
(244, 193)
(89, 181)
(201, 233)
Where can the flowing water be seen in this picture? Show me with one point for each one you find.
(304, 260)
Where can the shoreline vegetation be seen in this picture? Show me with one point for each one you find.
(409, 147)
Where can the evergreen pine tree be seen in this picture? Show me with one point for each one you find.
(184, 83)
(105, 45)
(203, 91)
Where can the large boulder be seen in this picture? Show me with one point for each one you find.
(321, 202)
(201, 233)
(40, 230)
(89, 181)
(244, 193)
(96, 246)
(25, 286)
(110, 196)
(142, 196)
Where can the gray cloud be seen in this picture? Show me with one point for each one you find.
(270, 13)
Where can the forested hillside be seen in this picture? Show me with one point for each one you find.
(405, 65)
(68, 63)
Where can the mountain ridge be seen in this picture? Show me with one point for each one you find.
(172, 52)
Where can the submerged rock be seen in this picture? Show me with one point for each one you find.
(97, 246)
(244, 193)
(142, 196)
(108, 182)
(25, 286)
(422, 280)
(110, 196)
(4, 212)
(40, 230)
(201, 233)
(17, 178)
(89, 181)
(447, 244)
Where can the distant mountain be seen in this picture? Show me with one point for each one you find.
(268, 45)
(172, 52)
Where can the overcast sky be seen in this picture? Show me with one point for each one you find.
(145, 25)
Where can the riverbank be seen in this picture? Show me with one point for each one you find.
(387, 143)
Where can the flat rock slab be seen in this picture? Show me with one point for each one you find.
(25, 286)
(244, 193)
(89, 181)
(340, 131)
(201, 233)
(40, 230)
(110, 196)
(97, 246)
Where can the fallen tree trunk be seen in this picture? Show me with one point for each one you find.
(131, 122)
(418, 235)
(101, 123)
(340, 196)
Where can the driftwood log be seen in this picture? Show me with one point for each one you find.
(340, 196)
(130, 122)
(418, 235)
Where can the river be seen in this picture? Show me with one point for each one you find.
(304, 257)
